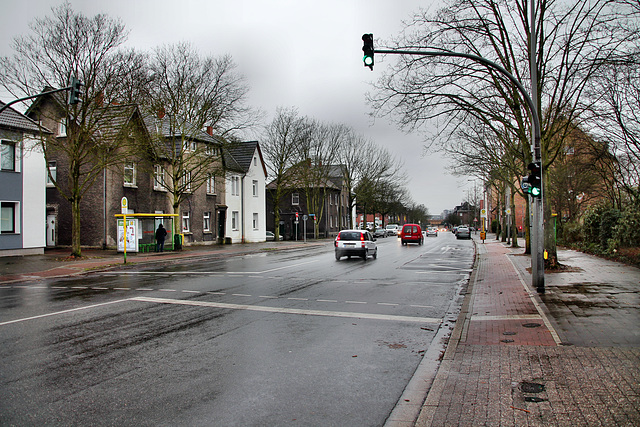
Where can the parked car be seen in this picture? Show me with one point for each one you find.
(355, 243)
(380, 232)
(392, 229)
(463, 233)
(432, 231)
(411, 233)
(271, 236)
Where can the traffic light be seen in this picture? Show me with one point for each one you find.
(74, 92)
(532, 184)
(367, 48)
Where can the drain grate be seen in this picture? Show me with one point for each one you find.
(509, 333)
(534, 399)
(531, 325)
(528, 387)
(506, 341)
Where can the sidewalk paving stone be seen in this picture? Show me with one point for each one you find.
(555, 374)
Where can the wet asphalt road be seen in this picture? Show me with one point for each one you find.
(281, 338)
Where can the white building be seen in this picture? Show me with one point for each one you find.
(23, 179)
(245, 193)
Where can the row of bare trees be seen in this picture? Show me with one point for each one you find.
(587, 62)
(302, 153)
(193, 91)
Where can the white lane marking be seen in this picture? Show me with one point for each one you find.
(190, 292)
(144, 289)
(217, 293)
(184, 273)
(99, 288)
(289, 310)
(121, 289)
(546, 321)
(420, 306)
(241, 295)
(267, 296)
(79, 287)
(299, 299)
(355, 302)
(327, 300)
(63, 312)
(167, 290)
(387, 303)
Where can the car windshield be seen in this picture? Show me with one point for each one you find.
(350, 235)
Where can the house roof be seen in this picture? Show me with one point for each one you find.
(168, 128)
(238, 156)
(11, 118)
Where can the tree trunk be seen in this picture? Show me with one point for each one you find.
(76, 250)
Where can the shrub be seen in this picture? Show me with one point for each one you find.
(627, 230)
(571, 233)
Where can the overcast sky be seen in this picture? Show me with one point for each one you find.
(294, 53)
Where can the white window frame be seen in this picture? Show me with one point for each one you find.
(235, 185)
(9, 149)
(254, 186)
(186, 222)
(295, 199)
(158, 178)
(52, 172)
(129, 166)
(256, 223)
(235, 220)
(206, 221)
(9, 214)
(62, 127)
(211, 184)
(186, 181)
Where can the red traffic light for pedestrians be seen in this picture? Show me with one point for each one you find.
(367, 48)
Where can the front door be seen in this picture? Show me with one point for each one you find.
(51, 230)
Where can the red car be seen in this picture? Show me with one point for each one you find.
(411, 233)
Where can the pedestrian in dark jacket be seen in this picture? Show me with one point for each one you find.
(161, 233)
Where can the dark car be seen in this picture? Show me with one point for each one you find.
(380, 232)
(411, 233)
(355, 243)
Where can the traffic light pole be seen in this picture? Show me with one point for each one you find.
(537, 227)
(33, 96)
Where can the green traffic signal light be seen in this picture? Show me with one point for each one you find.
(367, 48)
(535, 179)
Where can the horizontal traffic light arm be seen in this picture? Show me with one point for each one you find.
(15, 101)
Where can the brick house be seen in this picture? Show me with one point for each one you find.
(333, 197)
(138, 177)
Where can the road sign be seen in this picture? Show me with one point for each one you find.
(124, 204)
(483, 213)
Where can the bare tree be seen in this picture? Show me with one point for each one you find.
(70, 44)
(575, 40)
(283, 137)
(189, 93)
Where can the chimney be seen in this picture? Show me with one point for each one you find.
(161, 113)
(210, 130)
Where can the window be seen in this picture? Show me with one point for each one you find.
(51, 176)
(235, 186)
(186, 222)
(206, 221)
(255, 161)
(8, 156)
(295, 199)
(62, 127)
(189, 145)
(235, 216)
(8, 218)
(158, 178)
(186, 181)
(255, 221)
(130, 174)
(211, 185)
(255, 188)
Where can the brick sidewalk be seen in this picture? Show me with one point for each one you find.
(505, 365)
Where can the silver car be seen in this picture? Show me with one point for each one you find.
(355, 243)
(463, 233)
